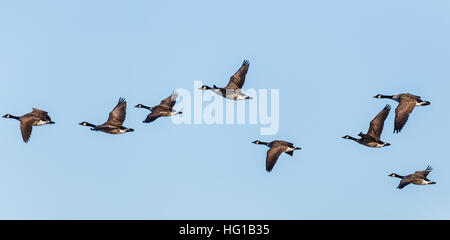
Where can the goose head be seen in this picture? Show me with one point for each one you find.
(143, 106)
(83, 123)
(86, 124)
(11, 116)
(395, 175)
(378, 96)
(204, 87)
(261, 143)
(385, 96)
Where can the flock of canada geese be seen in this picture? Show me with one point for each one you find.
(114, 124)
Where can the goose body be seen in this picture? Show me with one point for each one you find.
(233, 90)
(276, 147)
(372, 138)
(407, 103)
(164, 109)
(35, 118)
(114, 123)
(417, 178)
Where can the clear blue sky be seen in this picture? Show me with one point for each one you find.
(328, 58)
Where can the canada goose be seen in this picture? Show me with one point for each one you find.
(406, 105)
(114, 123)
(276, 148)
(35, 118)
(163, 109)
(418, 178)
(372, 138)
(233, 89)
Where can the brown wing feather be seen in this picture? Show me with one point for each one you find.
(272, 156)
(238, 79)
(118, 114)
(409, 95)
(39, 113)
(152, 117)
(404, 108)
(377, 124)
(423, 174)
(404, 182)
(171, 100)
(289, 144)
(26, 126)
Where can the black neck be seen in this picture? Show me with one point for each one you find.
(396, 175)
(146, 107)
(387, 96)
(89, 125)
(263, 143)
(13, 117)
(352, 138)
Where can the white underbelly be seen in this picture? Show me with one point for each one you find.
(40, 123)
(236, 96)
(289, 149)
(423, 182)
(122, 130)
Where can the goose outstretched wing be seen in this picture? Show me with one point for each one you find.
(238, 79)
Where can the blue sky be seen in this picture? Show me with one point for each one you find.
(327, 58)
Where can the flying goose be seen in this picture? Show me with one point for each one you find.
(372, 138)
(35, 118)
(276, 148)
(418, 178)
(406, 105)
(163, 109)
(114, 123)
(233, 89)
